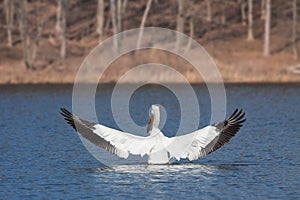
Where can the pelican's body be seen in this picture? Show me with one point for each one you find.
(159, 148)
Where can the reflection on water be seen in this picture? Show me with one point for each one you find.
(159, 175)
(190, 179)
(180, 168)
(141, 169)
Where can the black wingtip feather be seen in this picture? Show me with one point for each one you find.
(228, 128)
(233, 114)
(68, 116)
(85, 129)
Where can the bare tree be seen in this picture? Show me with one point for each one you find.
(119, 16)
(267, 29)
(180, 16)
(190, 13)
(22, 19)
(124, 7)
(263, 9)
(191, 24)
(243, 11)
(250, 20)
(39, 32)
(117, 11)
(9, 17)
(61, 26)
(100, 18)
(121, 6)
(223, 16)
(143, 23)
(295, 35)
(208, 5)
(114, 24)
(180, 22)
(29, 49)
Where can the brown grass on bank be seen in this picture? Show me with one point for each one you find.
(235, 66)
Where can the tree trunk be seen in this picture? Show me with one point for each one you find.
(223, 17)
(23, 28)
(191, 23)
(208, 5)
(250, 21)
(143, 23)
(295, 36)
(114, 24)
(180, 16)
(124, 5)
(263, 9)
(119, 15)
(58, 18)
(100, 18)
(267, 28)
(29, 49)
(107, 23)
(9, 16)
(39, 32)
(61, 26)
(243, 12)
(180, 22)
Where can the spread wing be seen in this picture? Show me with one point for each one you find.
(114, 141)
(204, 141)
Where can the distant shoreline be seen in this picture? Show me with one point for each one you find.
(145, 83)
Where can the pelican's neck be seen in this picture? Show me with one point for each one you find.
(153, 122)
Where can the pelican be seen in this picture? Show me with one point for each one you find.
(159, 148)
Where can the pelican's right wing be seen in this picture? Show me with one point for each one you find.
(204, 141)
(117, 142)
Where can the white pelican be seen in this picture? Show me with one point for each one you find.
(159, 148)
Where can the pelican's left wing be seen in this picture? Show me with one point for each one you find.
(204, 141)
(117, 142)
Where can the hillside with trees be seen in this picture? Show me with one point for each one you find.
(44, 41)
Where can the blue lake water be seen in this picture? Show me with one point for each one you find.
(41, 157)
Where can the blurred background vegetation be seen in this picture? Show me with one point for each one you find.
(44, 41)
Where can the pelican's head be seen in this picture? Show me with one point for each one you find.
(154, 115)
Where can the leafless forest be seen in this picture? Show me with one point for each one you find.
(250, 40)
